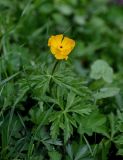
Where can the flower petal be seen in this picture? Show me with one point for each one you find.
(60, 56)
(61, 47)
(55, 41)
(68, 43)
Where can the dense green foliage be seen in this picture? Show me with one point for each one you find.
(49, 109)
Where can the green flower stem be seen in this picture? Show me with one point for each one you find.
(53, 70)
(55, 65)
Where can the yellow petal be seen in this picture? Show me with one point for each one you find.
(60, 56)
(54, 50)
(57, 53)
(61, 47)
(55, 41)
(68, 43)
(66, 52)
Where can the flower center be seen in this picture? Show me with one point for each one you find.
(61, 47)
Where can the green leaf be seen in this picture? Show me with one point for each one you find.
(120, 152)
(68, 105)
(113, 125)
(69, 151)
(68, 130)
(76, 105)
(82, 109)
(101, 69)
(37, 114)
(81, 152)
(119, 139)
(65, 9)
(95, 122)
(103, 149)
(106, 92)
(56, 119)
(8, 79)
(54, 155)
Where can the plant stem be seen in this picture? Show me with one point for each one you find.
(55, 65)
(54, 68)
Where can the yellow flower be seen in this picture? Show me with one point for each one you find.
(61, 46)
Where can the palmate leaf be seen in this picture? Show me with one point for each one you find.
(68, 129)
(72, 85)
(68, 95)
(56, 120)
(66, 78)
(77, 105)
(64, 121)
(82, 152)
(82, 109)
(65, 118)
(102, 149)
(119, 139)
(78, 151)
(37, 114)
(44, 137)
(43, 78)
(96, 122)
(54, 155)
(120, 151)
(113, 125)
(36, 81)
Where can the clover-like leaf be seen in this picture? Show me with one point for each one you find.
(101, 69)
